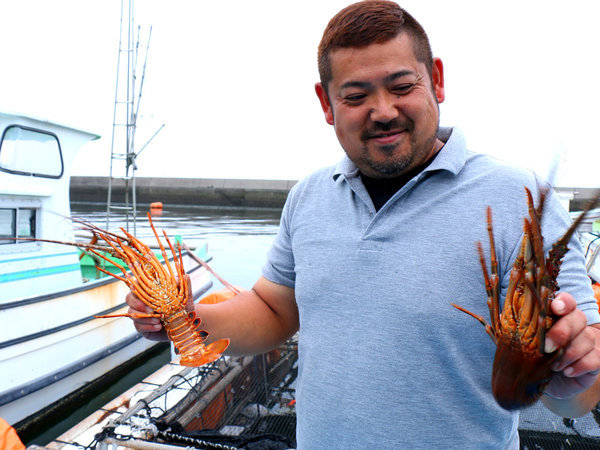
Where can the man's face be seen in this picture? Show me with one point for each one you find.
(384, 106)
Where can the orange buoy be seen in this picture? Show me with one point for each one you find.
(596, 288)
(156, 205)
(217, 297)
(9, 440)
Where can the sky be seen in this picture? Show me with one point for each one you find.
(233, 82)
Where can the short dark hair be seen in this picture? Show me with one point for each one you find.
(370, 22)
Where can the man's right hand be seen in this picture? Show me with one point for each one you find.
(149, 327)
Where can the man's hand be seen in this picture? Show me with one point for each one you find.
(578, 367)
(149, 327)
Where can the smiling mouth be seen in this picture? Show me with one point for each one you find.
(384, 138)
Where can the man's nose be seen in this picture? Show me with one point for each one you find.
(383, 108)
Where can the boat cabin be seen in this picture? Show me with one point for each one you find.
(35, 163)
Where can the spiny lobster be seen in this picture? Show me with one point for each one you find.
(162, 287)
(522, 369)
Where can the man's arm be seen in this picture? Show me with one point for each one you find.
(575, 388)
(255, 321)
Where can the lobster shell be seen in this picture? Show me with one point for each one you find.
(519, 378)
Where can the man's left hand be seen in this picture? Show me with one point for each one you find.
(578, 367)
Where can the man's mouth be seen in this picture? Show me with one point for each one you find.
(383, 138)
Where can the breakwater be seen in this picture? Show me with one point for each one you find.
(228, 192)
(185, 191)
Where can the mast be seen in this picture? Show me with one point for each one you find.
(128, 96)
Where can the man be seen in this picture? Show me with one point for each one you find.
(371, 253)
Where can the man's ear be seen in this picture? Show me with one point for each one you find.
(437, 76)
(325, 104)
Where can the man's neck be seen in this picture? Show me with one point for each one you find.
(382, 189)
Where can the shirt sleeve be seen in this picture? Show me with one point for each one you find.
(280, 265)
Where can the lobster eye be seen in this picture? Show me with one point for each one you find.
(176, 351)
(196, 322)
(191, 315)
(203, 333)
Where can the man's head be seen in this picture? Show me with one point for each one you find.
(381, 88)
(370, 22)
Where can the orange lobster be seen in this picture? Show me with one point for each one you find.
(521, 368)
(161, 287)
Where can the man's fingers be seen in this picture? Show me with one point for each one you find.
(189, 305)
(579, 356)
(563, 304)
(135, 303)
(566, 329)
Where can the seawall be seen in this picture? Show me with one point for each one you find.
(227, 192)
(186, 191)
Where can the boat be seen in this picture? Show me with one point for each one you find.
(51, 345)
(231, 403)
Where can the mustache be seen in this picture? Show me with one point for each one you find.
(379, 128)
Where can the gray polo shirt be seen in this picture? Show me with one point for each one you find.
(385, 361)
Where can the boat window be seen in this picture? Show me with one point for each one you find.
(27, 151)
(16, 222)
(8, 219)
(26, 223)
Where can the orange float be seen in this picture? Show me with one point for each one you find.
(218, 296)
(596, 288)
(9, 440)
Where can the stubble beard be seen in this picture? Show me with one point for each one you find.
(400, 164)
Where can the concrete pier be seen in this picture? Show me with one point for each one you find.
(186, 191)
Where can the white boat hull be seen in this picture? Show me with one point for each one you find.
(51, 347)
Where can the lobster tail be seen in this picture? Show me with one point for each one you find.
(182, 329)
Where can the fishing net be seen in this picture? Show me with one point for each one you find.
(540, 429)
(245, 403)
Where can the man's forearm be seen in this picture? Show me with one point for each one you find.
(253, 324)
(576, 406)
(583, 402)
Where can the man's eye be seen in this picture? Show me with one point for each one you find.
(402, 88)
(354, 98)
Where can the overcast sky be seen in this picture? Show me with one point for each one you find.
(233, 82)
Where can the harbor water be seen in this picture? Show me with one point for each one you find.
(238, 240)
